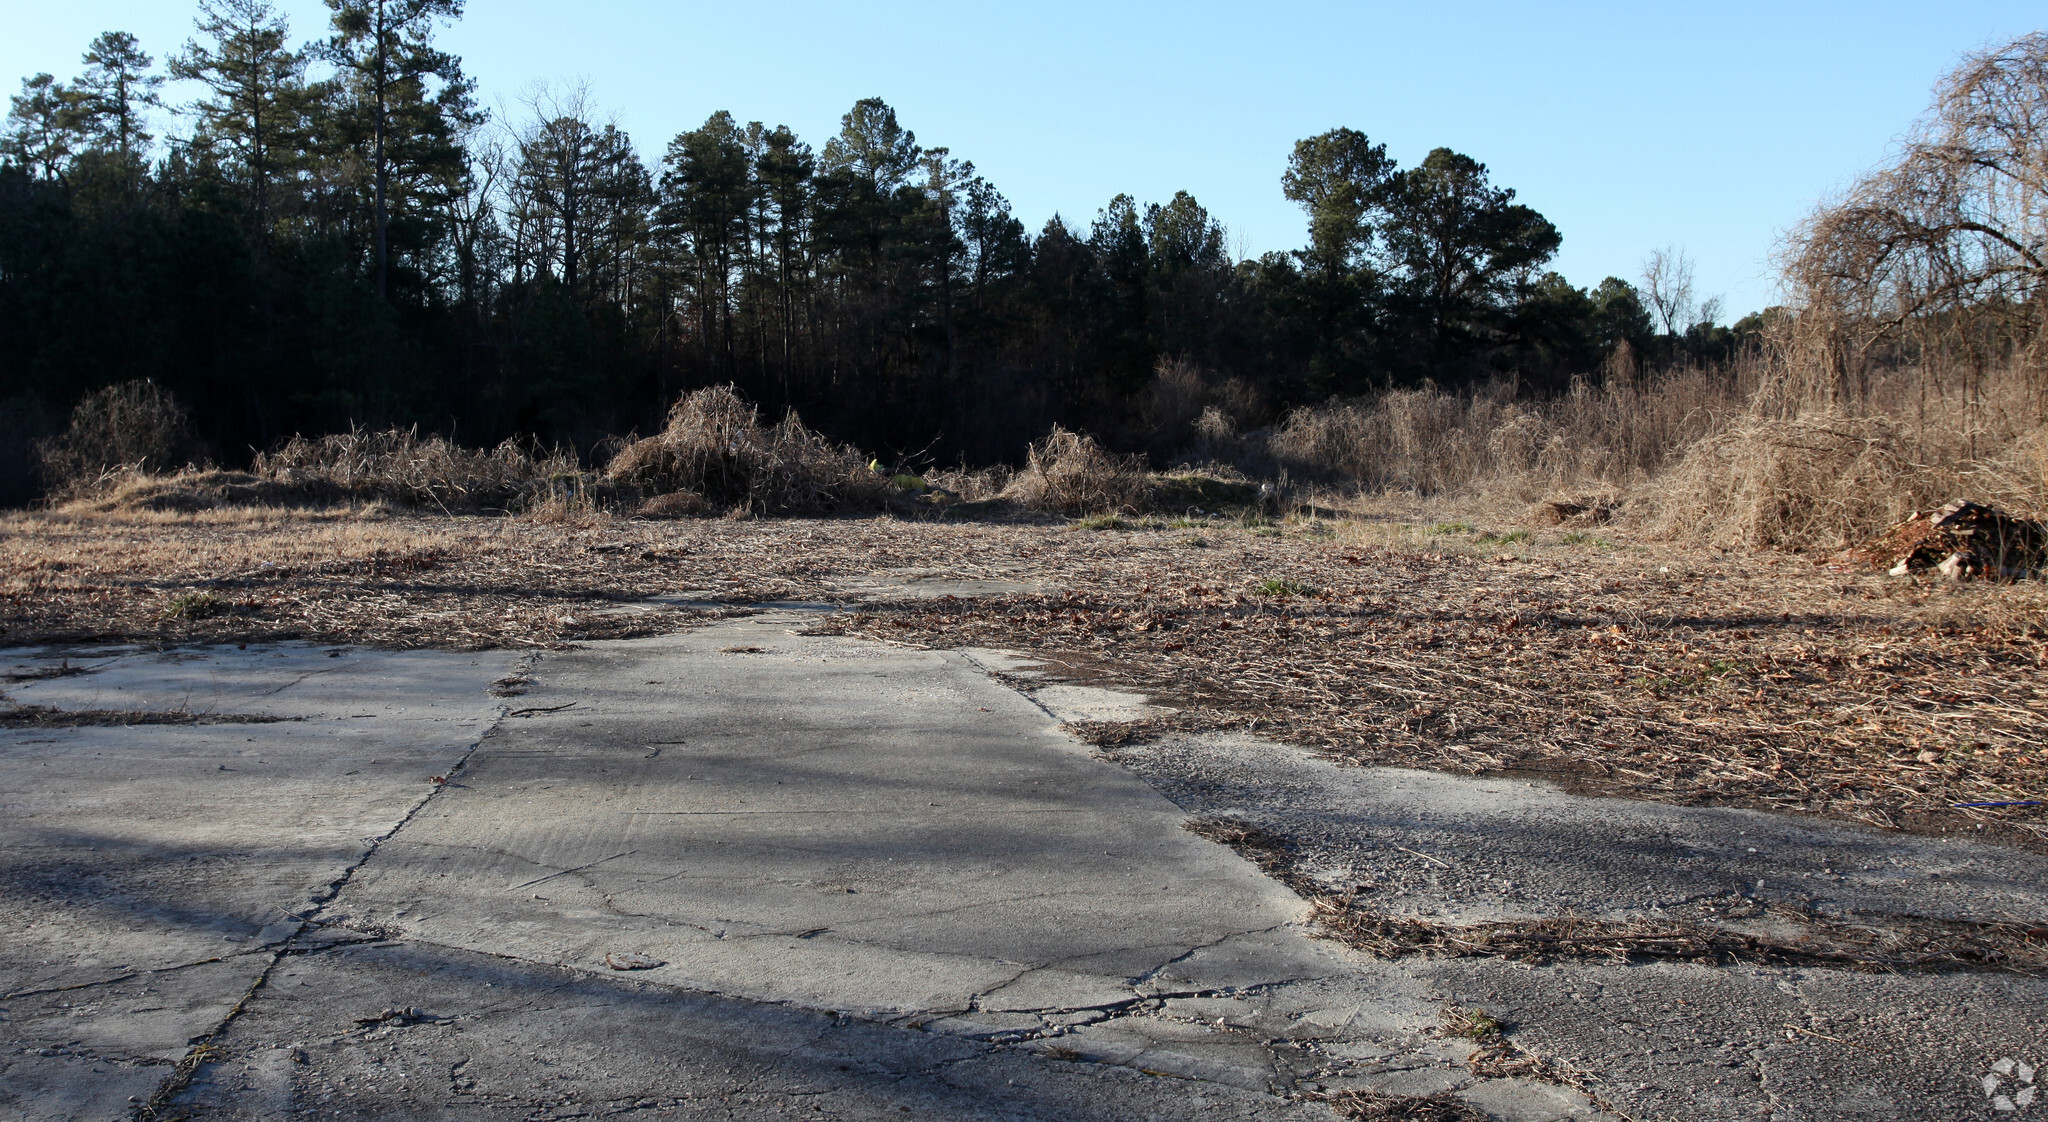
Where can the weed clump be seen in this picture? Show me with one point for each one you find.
(1281, 586)
(401, 466)
(1070, 473)
(195, 605)
(715, 449)
(128, 429)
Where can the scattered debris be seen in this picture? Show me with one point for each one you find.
(46, 717)
(1443, 1106)
(1561, 512)
(1890, 943)
(1896, 943)
(618, 960)
(1961, 541)
(397, 1016)
(540, 709)
(43, 673)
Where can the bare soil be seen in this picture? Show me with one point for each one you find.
(1689, 676)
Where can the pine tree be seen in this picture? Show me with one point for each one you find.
(258, 96)
(110, 98)
(385, 51)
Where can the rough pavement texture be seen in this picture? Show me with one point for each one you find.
(866, 882)
(1474, 849)
(1667, 1040)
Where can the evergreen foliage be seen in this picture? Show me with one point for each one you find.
(335, 236)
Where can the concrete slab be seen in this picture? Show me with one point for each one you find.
(823, 821)
(147, 873)
(515, 1040)
(1671, 1040)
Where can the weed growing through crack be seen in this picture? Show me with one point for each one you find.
(1475, 1025)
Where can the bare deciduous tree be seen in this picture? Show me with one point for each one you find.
(1667, 284)
(1940, 258)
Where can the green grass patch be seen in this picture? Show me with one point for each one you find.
(195, 605)
(1278, 586)
(1446, 529)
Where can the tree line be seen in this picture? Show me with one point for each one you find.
(337, 234)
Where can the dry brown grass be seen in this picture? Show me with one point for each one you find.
(352, 470)
(714, 453)
(1070, 473)
(1674, 676)
(1827, 476)
(402, 466)
(133, 427)
(1431, 441)
(1660, 673)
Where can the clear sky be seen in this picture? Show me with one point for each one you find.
(1709, 127)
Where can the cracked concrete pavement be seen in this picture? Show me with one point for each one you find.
(860, 881)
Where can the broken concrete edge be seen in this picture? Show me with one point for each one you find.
(1946, 945)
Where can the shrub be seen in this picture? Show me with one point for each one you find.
(1069, 473)
(401, 466)
(715, 447)
(130, 428)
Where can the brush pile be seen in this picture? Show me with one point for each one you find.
(1069, 473)
(1962, 540)
(714, 453)
(403, 467)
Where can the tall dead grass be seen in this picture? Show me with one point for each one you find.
(402, 466)
(714, 453)
(1432, 441)
(1800, 473)
(1070, 473)
(115, 432)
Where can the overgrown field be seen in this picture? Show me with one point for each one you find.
(1689, 676)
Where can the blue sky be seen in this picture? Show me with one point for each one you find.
(1711, 128)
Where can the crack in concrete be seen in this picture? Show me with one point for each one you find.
(134, 974)
(204, 1046)
(1192, 951)
(577, 869)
